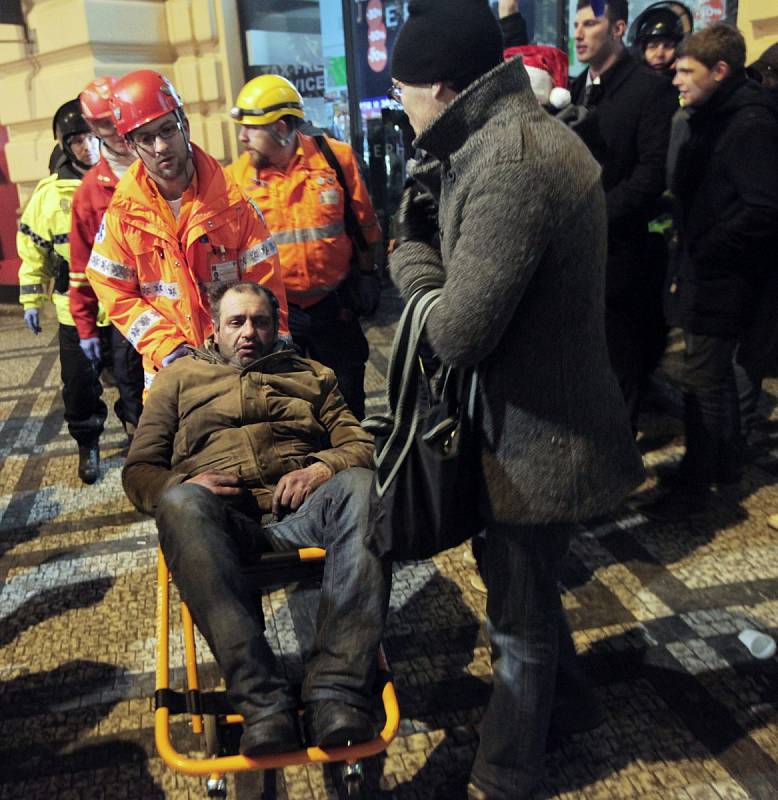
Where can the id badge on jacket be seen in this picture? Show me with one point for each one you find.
(224, 271)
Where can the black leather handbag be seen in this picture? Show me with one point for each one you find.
(427, 466)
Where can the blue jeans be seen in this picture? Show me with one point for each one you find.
(206, 541)
(530, 640)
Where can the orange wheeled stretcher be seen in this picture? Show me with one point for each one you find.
(213, 719)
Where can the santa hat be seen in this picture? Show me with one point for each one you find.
(547, 70)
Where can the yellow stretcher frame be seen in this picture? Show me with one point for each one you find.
(215, 767)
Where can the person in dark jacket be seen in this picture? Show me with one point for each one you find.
(726, 185)
(765, 69)
(512, 24)
(757, 352)
(520, 261)
(627, 130)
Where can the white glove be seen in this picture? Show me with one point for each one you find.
(91, 348)
(32, 319)
(180, 351)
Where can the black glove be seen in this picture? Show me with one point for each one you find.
(417, 217)
(573, 115)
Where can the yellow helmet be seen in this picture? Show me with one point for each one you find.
(265, 99)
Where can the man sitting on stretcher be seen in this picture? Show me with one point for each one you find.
(247, 445)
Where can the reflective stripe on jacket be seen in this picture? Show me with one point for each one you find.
(42, 244)
(151, 271)
(303, 206)
(89, 203)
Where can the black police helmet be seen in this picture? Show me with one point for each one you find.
(664, 20)
(68, 121)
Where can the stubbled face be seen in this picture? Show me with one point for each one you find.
(694, 81)
(104, 129)
(259, 144)
(162, 146)
(419, 103)
(660, 53)
(85, 147)
(246, 330)
(594, 37)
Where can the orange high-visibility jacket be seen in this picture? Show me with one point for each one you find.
(151, 271)
(303, 206)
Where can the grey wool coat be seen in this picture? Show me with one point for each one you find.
(522, 265)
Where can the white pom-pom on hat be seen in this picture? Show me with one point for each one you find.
(559, 98)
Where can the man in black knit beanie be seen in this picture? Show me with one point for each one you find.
(512, 230)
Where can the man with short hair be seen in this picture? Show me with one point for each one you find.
(177, 226)
(627, 130)
(726, 185)
(319, 211)
(248, 446)
(519, 256)
(106, 343)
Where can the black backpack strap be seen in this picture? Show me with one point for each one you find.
(353, 228)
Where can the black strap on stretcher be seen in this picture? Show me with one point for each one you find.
(193, 702)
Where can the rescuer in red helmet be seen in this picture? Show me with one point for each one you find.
(102, 345)
(177, 226)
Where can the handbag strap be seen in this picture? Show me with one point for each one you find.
(403, 379)
(405, 347)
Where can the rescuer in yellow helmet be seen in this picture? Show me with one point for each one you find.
(318, 209)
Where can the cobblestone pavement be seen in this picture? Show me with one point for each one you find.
(655, 611)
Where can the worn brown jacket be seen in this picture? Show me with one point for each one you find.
(281, 413)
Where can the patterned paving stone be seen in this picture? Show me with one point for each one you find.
(655, 612)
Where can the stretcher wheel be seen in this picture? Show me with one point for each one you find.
(216, 788)
(355, 790)
(348, 781)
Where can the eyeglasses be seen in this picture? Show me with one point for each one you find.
(395, 93)
(146, 141)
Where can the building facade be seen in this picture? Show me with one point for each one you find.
(335, 51)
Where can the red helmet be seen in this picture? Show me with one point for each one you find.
(140, 97)
(96, 97)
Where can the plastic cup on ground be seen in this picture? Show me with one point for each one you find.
(760, 645)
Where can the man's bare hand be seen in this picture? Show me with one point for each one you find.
(226, 484)
(507, 7)
(295, 486)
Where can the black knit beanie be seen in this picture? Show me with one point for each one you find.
(447, 40)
